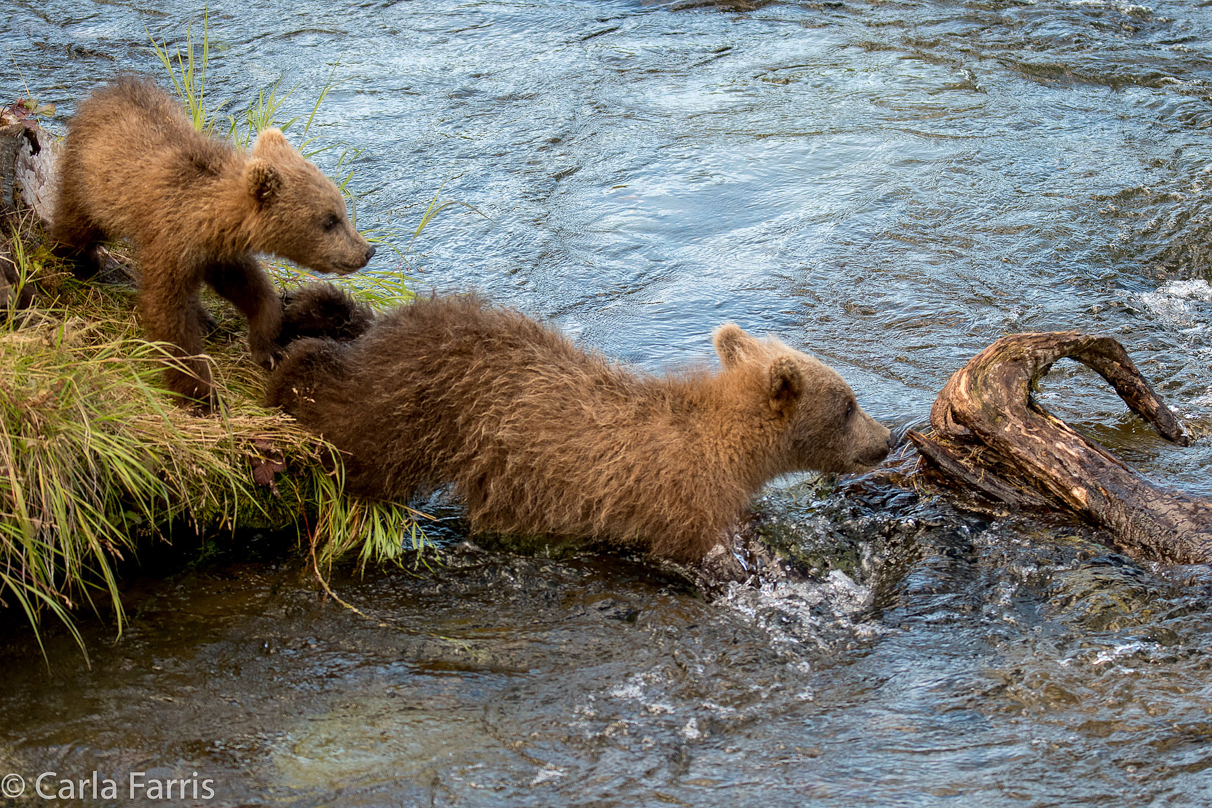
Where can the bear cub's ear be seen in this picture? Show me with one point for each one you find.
(269, 140)
(786, 384)
(263, 181)
(730, 343)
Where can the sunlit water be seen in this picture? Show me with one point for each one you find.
(891, 186)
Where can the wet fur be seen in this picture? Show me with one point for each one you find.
(197, 210)
(540, 436)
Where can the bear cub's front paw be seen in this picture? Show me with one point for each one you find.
(267, 354)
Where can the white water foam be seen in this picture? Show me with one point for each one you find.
(1178, 303)
(815, 613)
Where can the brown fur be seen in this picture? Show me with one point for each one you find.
(197, 210)
(323, 310)
(539, 436)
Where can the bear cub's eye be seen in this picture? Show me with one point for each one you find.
(330, 222)
(849, 409)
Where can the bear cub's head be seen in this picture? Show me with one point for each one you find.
(300, 213)
(323, 311)
(821, 426)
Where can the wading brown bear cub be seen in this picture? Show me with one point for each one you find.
(197, 210)
(541, 437)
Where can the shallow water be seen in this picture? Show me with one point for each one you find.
(889, 185)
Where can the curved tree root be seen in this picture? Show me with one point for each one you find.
(990, 435)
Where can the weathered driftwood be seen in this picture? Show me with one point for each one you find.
(28, 162)
(991, 435)
(18, 147)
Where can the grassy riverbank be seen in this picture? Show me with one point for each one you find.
(95, 460)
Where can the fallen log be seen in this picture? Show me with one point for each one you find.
(991, 435)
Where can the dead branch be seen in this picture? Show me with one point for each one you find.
(991, 435)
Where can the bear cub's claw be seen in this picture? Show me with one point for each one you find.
(268, 355)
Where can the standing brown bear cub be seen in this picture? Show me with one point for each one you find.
(539, 436)
(197, 210)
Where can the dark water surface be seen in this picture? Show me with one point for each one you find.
(890, 185)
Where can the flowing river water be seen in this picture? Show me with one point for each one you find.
(889, 185)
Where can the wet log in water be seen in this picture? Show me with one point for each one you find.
(991, 435)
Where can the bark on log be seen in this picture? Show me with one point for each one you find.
(991, 435)
(28, 164)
